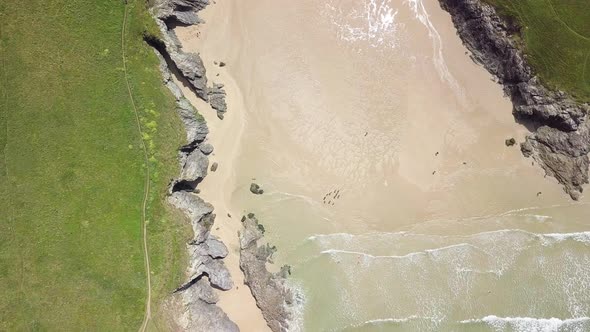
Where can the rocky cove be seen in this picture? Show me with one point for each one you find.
(560, 139)
(194, 302)
(558, 143)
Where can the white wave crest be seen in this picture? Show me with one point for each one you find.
(546, 238)
(528, 324)
(381, 321)
(553, 238)
(425, 252)
(297, 308)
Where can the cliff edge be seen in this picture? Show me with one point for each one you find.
(560, 139)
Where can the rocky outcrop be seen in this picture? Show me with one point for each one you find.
(560, 142)
(194, 167)
(190, 65)
(273, 296)
(217, 99)
(199, 304)
(183, 11)
(168, 14)
(206, 269)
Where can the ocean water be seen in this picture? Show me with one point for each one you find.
(388, 188)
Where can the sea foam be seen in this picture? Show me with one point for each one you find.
(374, 22)
(528, 324)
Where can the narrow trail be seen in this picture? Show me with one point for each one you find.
(146, 191)
(565, 24)
(584, 68)
(4, 96)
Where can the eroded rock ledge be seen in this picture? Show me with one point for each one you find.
(196, 297)
(560, 140)
(172, 13)
(272, 294)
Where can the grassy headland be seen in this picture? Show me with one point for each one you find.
(72, 169)
(556, 36)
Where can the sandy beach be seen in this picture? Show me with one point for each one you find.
(217, 187)
(380, 144)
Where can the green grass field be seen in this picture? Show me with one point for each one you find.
(556, 35)
(72, 168)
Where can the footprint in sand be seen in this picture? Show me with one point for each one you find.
(331, 197)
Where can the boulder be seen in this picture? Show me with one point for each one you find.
(255, 189)
(206, 148)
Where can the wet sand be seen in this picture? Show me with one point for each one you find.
(363, 119)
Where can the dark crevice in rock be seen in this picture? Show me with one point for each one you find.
(187, 285)
(173, 23)
(157, 44)
(184, 185)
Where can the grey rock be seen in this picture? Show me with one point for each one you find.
(203, 228)
(201, 315)
(189, 65)
(195, 166)
(214, 167)
(186, 17)
(563, 155)
(510, 142)
(214, 269)
(560, 142)
(206, 148)
(192, 69)
(270, 290)
(191, 205)
(215, 248)
(217, 99)
(203, 291)
(197, 211)
(206, 269)
(195, 126)
(255, 189)
(181, 10)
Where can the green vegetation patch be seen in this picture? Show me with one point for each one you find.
(72, 169)
(556, 37)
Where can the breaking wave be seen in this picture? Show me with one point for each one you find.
(527, 324)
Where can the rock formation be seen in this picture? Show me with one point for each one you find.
(217, 99)
(197, 296)
(270, 290)
(560, 141)
(206, 270)
(255, 189)
(168, 14)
